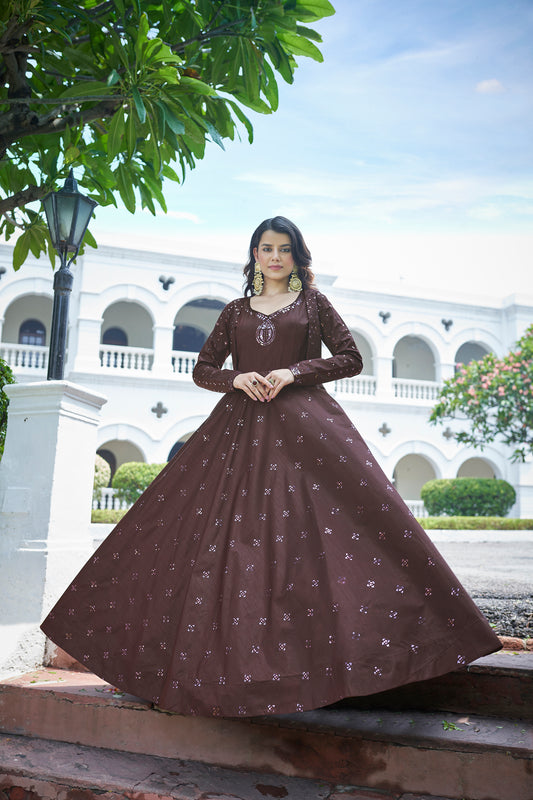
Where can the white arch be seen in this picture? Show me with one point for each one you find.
(499, 464)
(420, 330)
(26, 287)
(481, 336)
(418, 447)
(125, 432)
(181, 428)
(125, 293)
(214, 290)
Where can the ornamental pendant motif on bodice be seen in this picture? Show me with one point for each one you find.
(265, 332)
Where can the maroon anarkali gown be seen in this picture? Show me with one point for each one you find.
(271, 567)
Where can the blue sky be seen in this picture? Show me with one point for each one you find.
(405, 157)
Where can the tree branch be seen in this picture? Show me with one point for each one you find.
(22, 198)
(54, 123)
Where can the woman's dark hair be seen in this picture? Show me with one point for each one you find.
(299, 249)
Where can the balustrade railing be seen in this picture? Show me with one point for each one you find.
(25, 358)
(33, 359)
(134, 359)
(183, 362)
(416, 507)
(410, 389)
(360, 385)
(109, 500)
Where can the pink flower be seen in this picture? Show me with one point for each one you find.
(501, 390)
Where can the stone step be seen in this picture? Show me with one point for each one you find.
(499, 685)
(442, 754)
(39, 769)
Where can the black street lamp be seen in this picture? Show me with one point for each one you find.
(67, 213)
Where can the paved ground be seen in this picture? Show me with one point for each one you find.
(496, 567)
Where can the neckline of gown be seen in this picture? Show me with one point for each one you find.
(277, 311)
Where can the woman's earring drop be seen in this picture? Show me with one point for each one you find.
(295, 284)
(258, 279)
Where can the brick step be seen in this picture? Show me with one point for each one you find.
(443, 754)
(40, 769)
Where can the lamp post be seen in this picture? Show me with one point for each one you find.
(67, 213)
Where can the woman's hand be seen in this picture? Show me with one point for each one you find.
(277, 379)
(254, 385)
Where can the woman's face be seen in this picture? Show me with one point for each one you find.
(274, 254)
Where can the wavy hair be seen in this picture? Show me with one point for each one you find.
(299, 249)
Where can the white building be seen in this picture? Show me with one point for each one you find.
(138, 319)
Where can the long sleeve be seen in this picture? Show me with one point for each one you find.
(346, 359)
(208, 372)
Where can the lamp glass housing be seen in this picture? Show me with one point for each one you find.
(68, 213)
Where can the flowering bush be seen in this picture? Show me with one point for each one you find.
(131, 479)
(6, 376)
(468, 497)
(102, 474)
(496, 397)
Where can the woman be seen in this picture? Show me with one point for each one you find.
(270, 567)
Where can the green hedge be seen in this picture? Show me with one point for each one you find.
(131, 479)
(112, 516)
(468, 497)
(476, 523)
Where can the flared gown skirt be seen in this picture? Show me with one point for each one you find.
(270, 568)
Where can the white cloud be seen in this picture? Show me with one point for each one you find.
(491, 86)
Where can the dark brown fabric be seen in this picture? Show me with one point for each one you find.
(270, 567)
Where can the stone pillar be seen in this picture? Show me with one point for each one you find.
(524, 489)
(46, 479)
(162, 364)
(383, 372)
(87, 353)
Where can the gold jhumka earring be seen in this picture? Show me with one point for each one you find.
(258, 279)
(295, 284)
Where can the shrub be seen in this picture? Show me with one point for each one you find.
(102, 474)
(469, 497)
(131, 479)
(6, 376)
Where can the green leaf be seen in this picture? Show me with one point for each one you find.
(89, 239)
(91, 89)
(72, 153)
(113, 78)
(168, 172)
(139, 105)
(314, 9)
(131, 132)
(125, 187)
(115, 133)
(22, 248)
(299, 46)
(215, 136)
(176, 125)
(241, 116)
(197, 86)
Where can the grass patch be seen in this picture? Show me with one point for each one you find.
(107, 515)
(476, 523)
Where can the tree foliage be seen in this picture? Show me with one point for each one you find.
(495, 396)
(6, 376)
(129, 92)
